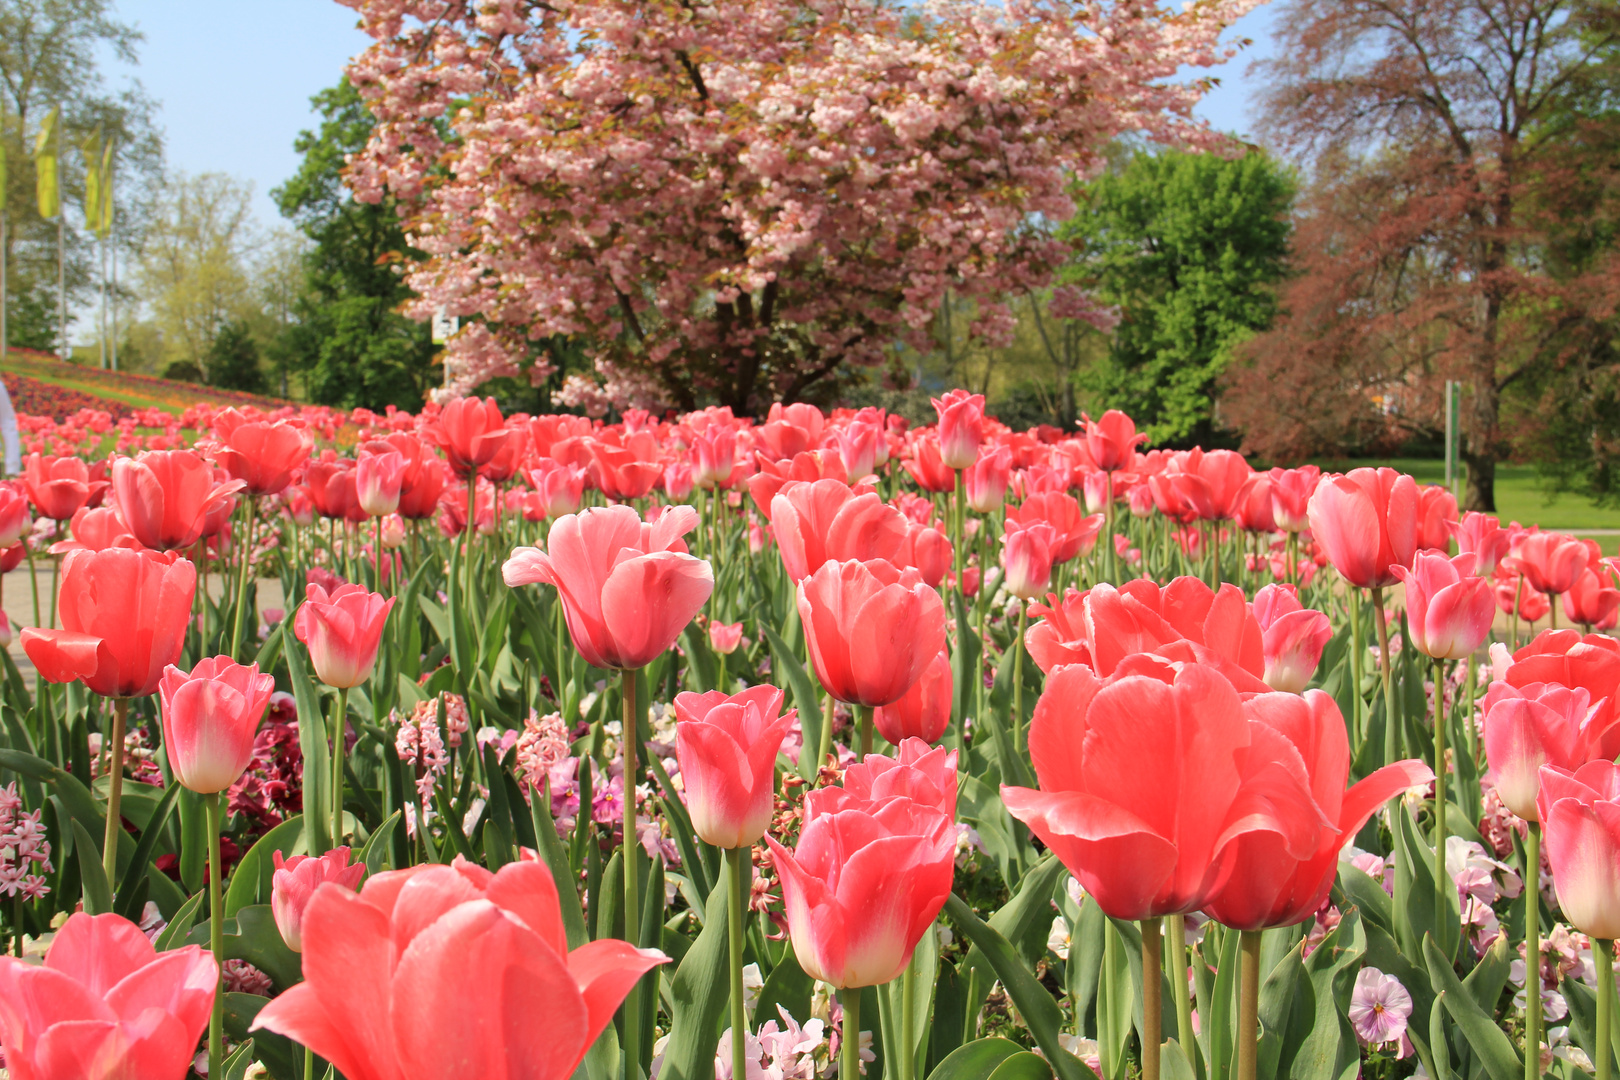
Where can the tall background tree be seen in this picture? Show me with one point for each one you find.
(343, 330)
(51, 53)
(1427, 129)
(737, 200)
(1189, 248)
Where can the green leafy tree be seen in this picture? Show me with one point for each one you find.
(1188, 246)
(233, 361)
(346, 334)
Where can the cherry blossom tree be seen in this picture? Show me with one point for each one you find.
(733, 198)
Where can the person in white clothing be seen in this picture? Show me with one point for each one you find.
(8, 433)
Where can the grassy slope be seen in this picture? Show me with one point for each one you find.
(136, 392)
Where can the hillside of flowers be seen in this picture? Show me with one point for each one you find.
(823, 745)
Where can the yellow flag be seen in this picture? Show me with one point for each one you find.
(104, 214)
(50, 198)
(92, 181)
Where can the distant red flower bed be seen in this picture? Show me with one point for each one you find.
(34, 398)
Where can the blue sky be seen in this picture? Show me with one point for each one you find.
(233, 79)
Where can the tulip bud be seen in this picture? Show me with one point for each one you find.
(725, 637)
(209, 720)
(377, 481)
(727, 747)
(295, 881)
(342, 631)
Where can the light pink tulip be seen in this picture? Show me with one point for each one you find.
(1580, 824)
(727, 747)
(210, 717)
(1292, 637)
(1448, 607)
(343, 631)
(294, 883)
(628, 587)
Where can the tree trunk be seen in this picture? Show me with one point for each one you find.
(1479, 450)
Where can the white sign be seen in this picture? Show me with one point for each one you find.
(444, 326)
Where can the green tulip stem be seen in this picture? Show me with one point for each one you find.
(115, 790)
(1152, 1000)
(958, 528)
(1248, 1032)
(1358, 656)
(1392, 727)
(216, 935)
(33, 578)
(824, 738)
(1018, 678)
(630, 730)
(865, 714)
(742, 872)
(1176, 958)
(340, 718)
(908, 1008)
(1470, 686)
(1441, 879)
(1532, 951)
(849, 1054)
(246, 576)
(309, 1064)
(1603, 953)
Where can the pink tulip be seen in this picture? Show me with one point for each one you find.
(13, 515)
(1592, 600)
(1266, 885)
(1252, 511)
(928, 551)
(1437, 513)
(1482, 536)
(715, 451)
(343, 631)
(1580, 823)
(985, 482)
(724, 638)
(1291, 491)
(124, 614)
(922, 773)
(1026, 558)
(827, 519)
(1076, 533)
(858, 446)
(1148, 834)
(1112, 440)
(961, 428)
(927, 466)
(1539, 724)
(294, 882)
(862, 885)
(377, 481)
(1367, 522)
(1292, 637)
(1551, 562)
(628, 587)
(471, 432)
(105, 1005)
(209, 719)
(872, 629)
(59, 486)
(1185, 620)
(165, 496)
(1448, 609)
(727, 747)
(923, 712)
(264, 455)
(560, 487)
(440, 972)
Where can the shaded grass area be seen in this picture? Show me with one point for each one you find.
(1520, 497)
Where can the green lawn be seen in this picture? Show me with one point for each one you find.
(1519, 497)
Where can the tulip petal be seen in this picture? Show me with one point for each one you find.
(341, 1010)
(62, 656)
(649, 599)
(1583, 846)
(1115, 855)
(99, 951)
(605, 971)
(467, 994)
(527, 890)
